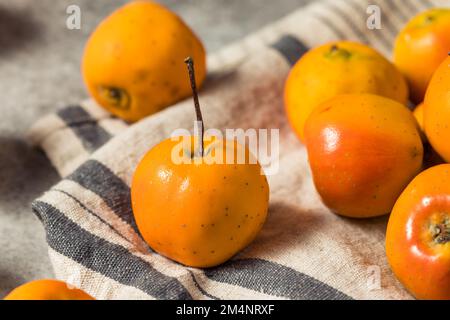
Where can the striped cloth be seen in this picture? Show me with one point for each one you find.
(303, 251)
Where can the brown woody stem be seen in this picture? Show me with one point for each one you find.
(190, 65)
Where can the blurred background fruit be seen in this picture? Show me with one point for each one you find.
(133, 63)
(437, 110)
(338, 68)
(420, 47)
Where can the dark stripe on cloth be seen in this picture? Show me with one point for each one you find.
(199, 287)
(348, 20)
(291, 48)
(97, 254)
(273, 279)
(92, 213)
(330, 25)
(392, 4)
(427, 3)
(86, 128)
(410, 6)
(387, 20)
(99, 179)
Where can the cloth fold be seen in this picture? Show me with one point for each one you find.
(303, 252)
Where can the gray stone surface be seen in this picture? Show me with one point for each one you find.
(39, 72)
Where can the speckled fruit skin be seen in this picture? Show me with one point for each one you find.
(199, 215)
(420, 47)
(47, 290)
(437, 110)
(338, 68)
(133, 63)
(418, 235)
(363, 150)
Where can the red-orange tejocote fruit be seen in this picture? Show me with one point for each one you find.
(363, 150)
(418, 235)
(436, 114)
(339, 67)
(133, 61)
(193, 206)
(421, 47)
(47, 290)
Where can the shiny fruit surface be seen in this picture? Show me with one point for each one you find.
(363, 150)
(418, 235)
(199, 211)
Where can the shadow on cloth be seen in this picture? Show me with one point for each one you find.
(282, 221)
(25, 172)
(8, 282)
(17, 28)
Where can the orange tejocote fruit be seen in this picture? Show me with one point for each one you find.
(418, 114)
(418, 235)
(47, 290)
(421, 46)
(195, 202)
(437, 110)
(133, 62)
(363, 150)
(338, 68)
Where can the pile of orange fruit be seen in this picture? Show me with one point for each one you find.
(369, 153)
